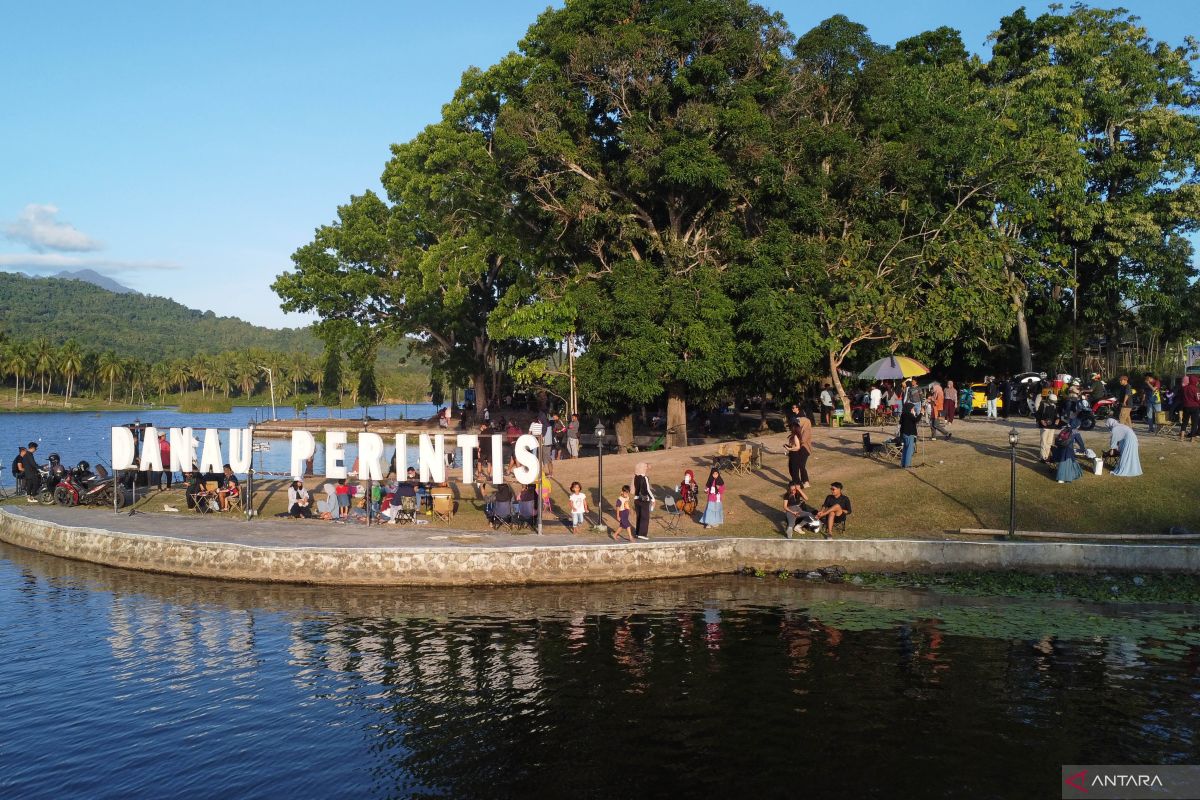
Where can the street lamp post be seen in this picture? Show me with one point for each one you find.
(600, 473)
(271, 380)
(1012, 486)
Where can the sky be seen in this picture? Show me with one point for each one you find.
(187, 148)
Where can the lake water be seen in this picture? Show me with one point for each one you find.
(87, 436)
(123, 685)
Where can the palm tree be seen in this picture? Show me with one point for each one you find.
(160, 380)
(110, 369)
(16, 363)
(245, 373)
(202, 370)
(181, 373)
(43, 361)
(70, 364)
(138, 372)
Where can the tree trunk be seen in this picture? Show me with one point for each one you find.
(834, 363)
(1023, 333)
(676, 416)
(624, 431)
(762, 412)
(480, 382)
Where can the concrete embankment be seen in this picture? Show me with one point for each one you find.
(253, 552)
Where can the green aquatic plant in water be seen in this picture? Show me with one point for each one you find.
(1099, 588)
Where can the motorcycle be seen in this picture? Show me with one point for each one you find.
(82, 487)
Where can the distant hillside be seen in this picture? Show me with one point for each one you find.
(94, 278)
(152, 328)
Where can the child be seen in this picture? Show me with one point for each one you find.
(623, 507)
(577, 501)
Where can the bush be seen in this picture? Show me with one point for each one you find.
(197, 403)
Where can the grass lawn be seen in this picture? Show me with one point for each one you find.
(963, 483)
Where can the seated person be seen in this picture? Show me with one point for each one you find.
(194, 490)
(796, 509)
(835, 507)
(299, 501)
(229, 488)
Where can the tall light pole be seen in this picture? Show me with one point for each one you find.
(1012, 485)
(271, 380)
(600, 472)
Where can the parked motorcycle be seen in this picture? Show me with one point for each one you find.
(83, 487)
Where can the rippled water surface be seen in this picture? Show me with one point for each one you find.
(119, 685)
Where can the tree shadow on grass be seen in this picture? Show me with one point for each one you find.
(949, 497)
(771, 514)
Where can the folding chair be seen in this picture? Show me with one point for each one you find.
(673, 514)
(744, 458)
(527, 513)
(443, 507)
(408, 510)
(501, 515)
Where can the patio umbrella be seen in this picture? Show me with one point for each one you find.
(894, 368)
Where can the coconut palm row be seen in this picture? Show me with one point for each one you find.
(40, 366)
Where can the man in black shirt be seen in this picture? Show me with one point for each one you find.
(33, 479)
(18, 469)
(835, 507)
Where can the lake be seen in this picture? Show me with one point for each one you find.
(87, 435)
(125, 685)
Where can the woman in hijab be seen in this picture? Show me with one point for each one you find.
(714, 511)
(643, 500)
(1067, 443)
(1124, 441)
(688, 493)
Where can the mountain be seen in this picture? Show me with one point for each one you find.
(94, 278)
(152, 328)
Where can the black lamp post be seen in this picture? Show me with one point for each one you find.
(600, 471)
(1012, 486)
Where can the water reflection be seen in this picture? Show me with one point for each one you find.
(135, 685)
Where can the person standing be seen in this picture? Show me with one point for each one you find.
(643, 499)
(577, 502)
(912, 392)
(714, 509)
(18, 469)
(622, 508)
(164, 453)
(827, 406)
(573, 436)
(1006, 397)
(31, 471)
(908, 434)
(1191, 407)
(1124, 400)
(1151, 400)
(1048, 423)
(950, 404)
(876, 397)
(795, 453)
(937, 399)
(991, 391)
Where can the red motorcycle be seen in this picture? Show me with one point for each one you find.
(80, 487)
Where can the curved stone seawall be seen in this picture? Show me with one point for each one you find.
(576, 563)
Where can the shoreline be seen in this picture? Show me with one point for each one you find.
(287, 552)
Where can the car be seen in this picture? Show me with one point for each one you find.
(979, 398)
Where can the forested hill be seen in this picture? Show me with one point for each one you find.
(138, 325)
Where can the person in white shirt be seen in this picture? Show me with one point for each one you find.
(876, 397)
(577, 502)
(299, 501)
(827, 405)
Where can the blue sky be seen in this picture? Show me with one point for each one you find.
(187, 148)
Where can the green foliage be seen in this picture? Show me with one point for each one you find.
(132, 324)
(198, 403)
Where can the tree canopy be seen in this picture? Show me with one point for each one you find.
(700, 203)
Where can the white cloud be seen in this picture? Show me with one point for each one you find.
(39, 228)
(53, 262)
